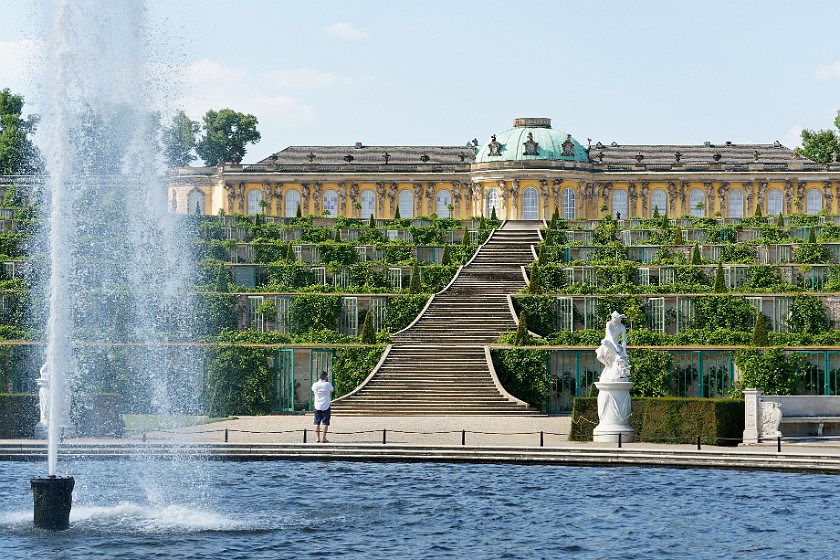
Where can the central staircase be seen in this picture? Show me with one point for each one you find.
(438, 365)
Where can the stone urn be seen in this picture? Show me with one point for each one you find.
(613, 412)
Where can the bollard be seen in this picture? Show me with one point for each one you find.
(144, 437)
(463, 437)
(619, 440)
(304, 435)
(383, 437)
(226, 435)
(541, 438)
(698, 443)
(778, 444)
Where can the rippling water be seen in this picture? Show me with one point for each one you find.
(124, 509)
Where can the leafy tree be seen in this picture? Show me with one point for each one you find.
(770, 370)
(18, 154)
(821, 145)
(179, 140)
(226, 133)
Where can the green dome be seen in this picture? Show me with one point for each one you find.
(532, 139)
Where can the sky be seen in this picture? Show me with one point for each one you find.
(443, 72)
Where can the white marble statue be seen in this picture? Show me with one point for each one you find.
(614, 384)
(44, 394)
(613, 350)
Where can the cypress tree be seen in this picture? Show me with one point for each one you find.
(656, 213)
(482, 223)
(446, 259)
(758, 211)
(522, 338)
(552, 225)
(368, 334)
(290, 253)
(695, 255)
(222, 279)
(371, 223)
(665, 223)
(812, 235)
(780, 221)
(493, 215)
(678, 240)
(534, 282)
(549, 237)
(759, 337)
(556, 215)
(397, 213)
(337, 235)
(414, 284)
(465, 241)
(298, 214)
(720, 285)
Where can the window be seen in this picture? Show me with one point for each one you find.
(195, 203)
(292, 203)
(658, 201)
(619, 204)
(697, 203)
(406, 204)
(813, 202)
(736, 204)
(331, 203)
(774, 202)
(368, 202)
(530, 204)
(493, 202)
(569, 204)
(442, 201)
(254, 198)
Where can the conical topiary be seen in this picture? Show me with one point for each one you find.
(298, 214)
(534, 286)
(414, 285)
(812, 235)
(656, 213)
(446, 259)
(720, 285)
(522, 337)
(555, 215)
(678, 239)
(482, 223)
(337, 235)
(695, 255)
(780, 221)
(223, 279)
(493, 214)
(290, 253)
(760, 337)
(758, 211)
(465, 241)
(368, 334)
(397, 213)
(665, 223)
(549, 237)
(371, 222)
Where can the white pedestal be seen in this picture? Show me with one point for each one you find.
(614, 412)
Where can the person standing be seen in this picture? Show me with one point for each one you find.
(323, 395)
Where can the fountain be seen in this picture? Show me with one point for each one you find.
(115, 270)
(614, 385)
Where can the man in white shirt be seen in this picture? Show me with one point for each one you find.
(323, 390)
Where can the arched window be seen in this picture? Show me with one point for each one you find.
(774, 202)
(368, 202)
(291, 201)
(530, 204)
(492, 202)
(254, 198)
(569, 208)
(195, 202)
(406, 204)
(736, 204)
(813, 202)
(331, 203)
(658, 202)
(619, 204)
(443, 199)
(697, 203)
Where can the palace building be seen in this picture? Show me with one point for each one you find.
(524, 172)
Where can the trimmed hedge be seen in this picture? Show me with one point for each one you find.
(93, 415)
(669, 420)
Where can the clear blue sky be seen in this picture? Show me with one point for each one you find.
(442, 72)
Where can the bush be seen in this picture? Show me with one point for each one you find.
(540, 310)
(670, 420)
(811, 253)
(239, 380)
(650, 373)
(314, 311)
(769, 369)
(759, 337)
(352, 366)
(523, 374)
(402, 310)
(807, 315)
(723, 312)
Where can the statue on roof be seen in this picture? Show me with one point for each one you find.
(531, 147)
(568, 146)
(494, 146)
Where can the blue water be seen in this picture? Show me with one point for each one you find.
(125, 509)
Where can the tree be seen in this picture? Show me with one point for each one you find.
(290, 252)
(821, 145)
(414, 284)
(780, 221)
(446, 259)
(179, 140)
(656, 212)
(534, 286)
(18, 155)
(720, 285)
(695, 255)
(522, 337)
(465, 241)
(812, 235)
(678, 238)
(226, 133)
(368, 334)
(493, 217)
(371, 222)
(397, 213)
(758, 210)
(759, 337)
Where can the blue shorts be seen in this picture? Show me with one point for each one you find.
(322, 417)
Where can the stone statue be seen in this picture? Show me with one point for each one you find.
(614, 385)
(44, 394)
(613, 350)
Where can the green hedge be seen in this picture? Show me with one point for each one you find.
(523, 374)
(352, 366)
(18, 415)
(669, 420)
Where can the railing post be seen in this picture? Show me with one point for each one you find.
(619, 440)
(226, 435)
(144, 437)
(541, 438)
(383, 436)
(698, 443)
(304, 435)
(778, 444)
(463, 437)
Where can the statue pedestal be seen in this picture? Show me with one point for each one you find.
(613, 412)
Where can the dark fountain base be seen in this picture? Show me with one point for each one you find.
(53, 498)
